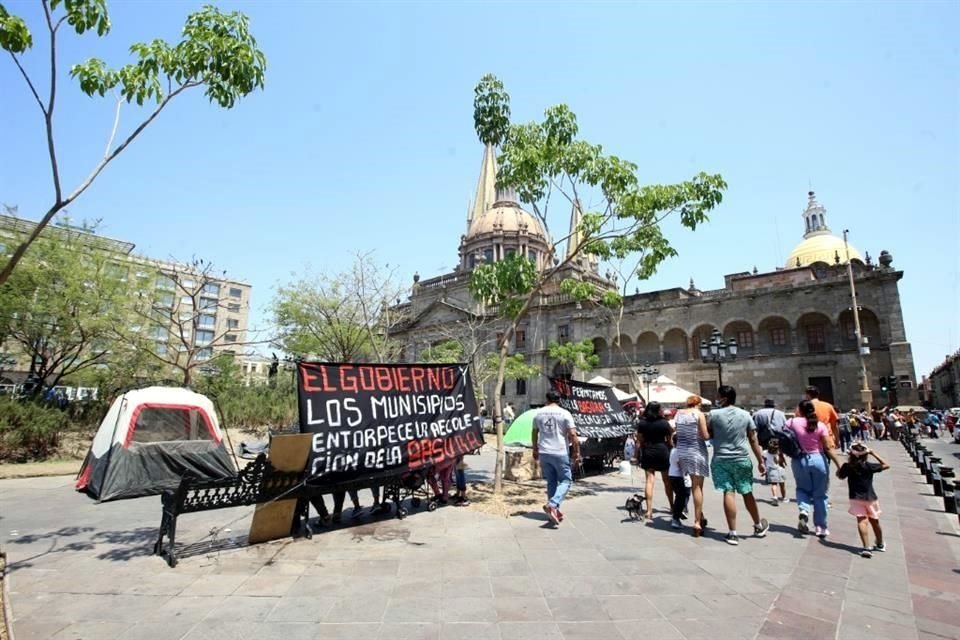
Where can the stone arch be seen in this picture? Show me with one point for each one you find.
(561, 370)
(675, 346)
(869, 325)
(774, 335)
(621, 351)
(742, 332)
(703, 331)
(602, 351)
(647, 347)
(815, 333)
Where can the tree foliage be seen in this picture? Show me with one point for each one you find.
(216, 51)
(545, 161)
(63, 306)
(343, 317)
(577, 356)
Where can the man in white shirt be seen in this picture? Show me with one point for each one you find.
(508, 413)
(553, 432)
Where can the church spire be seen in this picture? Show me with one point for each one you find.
(486, 185)
(574, 239)
(814, 216)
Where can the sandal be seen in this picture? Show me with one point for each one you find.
(697, 531)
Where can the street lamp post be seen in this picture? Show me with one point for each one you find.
(718, 351)
(648, 374)
(863, 348)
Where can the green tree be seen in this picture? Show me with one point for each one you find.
(216, 52)
(577, 356)
(343, 317)
(63, 306)
(545, 162)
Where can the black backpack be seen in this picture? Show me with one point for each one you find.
(789, 442)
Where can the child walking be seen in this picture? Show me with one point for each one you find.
(864, 504)
(681, 490)
(776, 464)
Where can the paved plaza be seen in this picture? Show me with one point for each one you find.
(84, 571)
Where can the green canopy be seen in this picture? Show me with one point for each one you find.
(521, 429)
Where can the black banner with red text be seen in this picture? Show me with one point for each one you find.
(373, 419)
(595, 409)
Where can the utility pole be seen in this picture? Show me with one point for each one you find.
(866, 395)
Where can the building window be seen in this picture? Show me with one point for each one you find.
(211, 289)
(488, 255)
(233, 307)
(188, 284)
(849, 331)
(160, 348)
(235, 292)
(158, 333)
(117, 271)
(778, 337)
(816, 338)
(164, 282)
(165, 300)
(532, 255)
(205, 320)
(186, 301)
(521, 387)
(745, 339)
(233, 323)
(203, 337)
(204, 354)
(229, 352)
(511, 253)
(563, 333)
(471, 261)
(230, 337)
(521, 339)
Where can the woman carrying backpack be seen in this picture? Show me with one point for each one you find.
(810, 468)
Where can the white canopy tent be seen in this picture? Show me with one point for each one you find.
(621, 395)
(667, 392)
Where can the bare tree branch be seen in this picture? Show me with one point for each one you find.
(33, 89)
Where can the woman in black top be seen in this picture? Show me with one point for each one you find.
(654, 435)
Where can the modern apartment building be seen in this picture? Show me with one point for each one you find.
(188, 309)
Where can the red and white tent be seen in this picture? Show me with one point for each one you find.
(149, 439)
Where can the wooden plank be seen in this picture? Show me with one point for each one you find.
(272, 521)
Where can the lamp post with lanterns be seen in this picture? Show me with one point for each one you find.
(648, 374)
(718, 351)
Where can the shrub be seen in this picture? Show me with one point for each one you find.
(29, 430)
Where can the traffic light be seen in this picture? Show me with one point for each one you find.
(884, 384)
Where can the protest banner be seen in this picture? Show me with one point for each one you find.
(595, 409)
(369, 420)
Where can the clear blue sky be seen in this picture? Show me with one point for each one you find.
(363, 138)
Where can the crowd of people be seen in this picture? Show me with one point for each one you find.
(675, 446)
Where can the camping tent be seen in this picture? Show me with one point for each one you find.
(622, 395)
(149, 439)
(521, 429)
(667, 392)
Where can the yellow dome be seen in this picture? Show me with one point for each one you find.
(506, 217)
(820, 247)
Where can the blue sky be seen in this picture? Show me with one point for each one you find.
(363, 138)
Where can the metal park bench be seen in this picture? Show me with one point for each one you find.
(257, 483)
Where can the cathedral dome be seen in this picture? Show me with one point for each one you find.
(820, 248)
(506, 216)
(818, 244)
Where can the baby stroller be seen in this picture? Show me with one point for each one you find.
(411, 485)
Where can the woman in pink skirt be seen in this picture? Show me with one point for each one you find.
(858, 472)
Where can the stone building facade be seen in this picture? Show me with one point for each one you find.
(944, 383)
(794, 326)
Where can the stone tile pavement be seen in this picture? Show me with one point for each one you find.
(82, 571)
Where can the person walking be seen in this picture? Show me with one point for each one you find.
(766, 420)
(509, 414)
(847, 423)
(734, 435)
(691, 437)
(554, 443)
(864, 504)
(653, 442)
(810, 468)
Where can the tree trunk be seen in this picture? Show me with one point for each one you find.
(498, 413)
